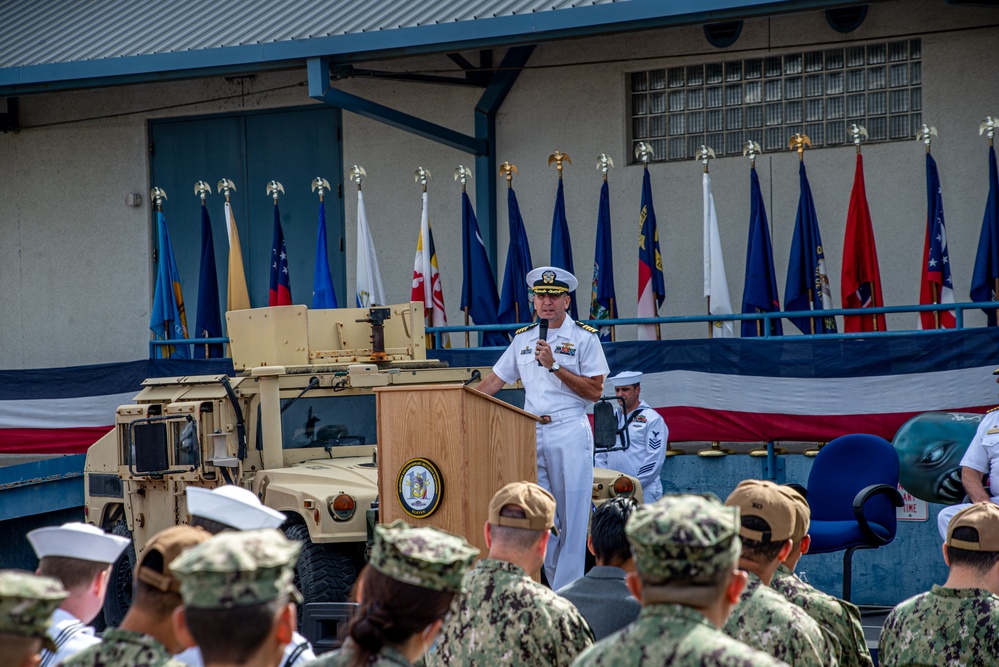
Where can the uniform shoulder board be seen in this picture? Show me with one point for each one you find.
(992, 409)
(529, 326)
(587, 327)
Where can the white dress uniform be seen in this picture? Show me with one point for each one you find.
(982, 455)
(644, 458)
(296, 654)
(70, 636)
(565, 445)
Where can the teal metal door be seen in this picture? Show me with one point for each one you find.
(289, 146)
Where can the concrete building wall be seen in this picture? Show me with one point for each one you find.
(75, 264)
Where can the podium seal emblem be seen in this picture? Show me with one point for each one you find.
(420, 487)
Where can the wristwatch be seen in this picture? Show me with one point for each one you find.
(555, 367)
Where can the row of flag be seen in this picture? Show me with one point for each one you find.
(484, 302)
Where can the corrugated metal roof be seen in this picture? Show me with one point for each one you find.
(61, 31)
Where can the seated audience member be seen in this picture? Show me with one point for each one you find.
(957, 623)
(26, 605)
(601, 595)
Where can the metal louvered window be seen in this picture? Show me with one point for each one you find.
(818, 93)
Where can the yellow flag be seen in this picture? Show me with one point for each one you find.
(239, 296)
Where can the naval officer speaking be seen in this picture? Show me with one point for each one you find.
(562, 366)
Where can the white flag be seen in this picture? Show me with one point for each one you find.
(427, 285)
(238, 296)
(369, 290)
(715, 283)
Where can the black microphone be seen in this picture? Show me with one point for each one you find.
(542, 333)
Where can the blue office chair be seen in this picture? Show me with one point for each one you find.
(853, 493)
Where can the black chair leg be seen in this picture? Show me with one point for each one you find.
(848, 569)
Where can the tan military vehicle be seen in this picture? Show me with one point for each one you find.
(296, 425)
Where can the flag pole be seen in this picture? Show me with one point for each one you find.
(989, 126)
(752, 149)
(926, 134)
(604, 164)
(798, 143)
(705, 153)
(202, 190)
(422, 176)
(857, 133)
(508, 169)
(158, 195)
(461, 174)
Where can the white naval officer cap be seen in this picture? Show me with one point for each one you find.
(551, 280)
(232, 505)
(625, 379)
(77, 540)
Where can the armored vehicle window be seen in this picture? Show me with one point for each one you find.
(330, 421)
(185, 443)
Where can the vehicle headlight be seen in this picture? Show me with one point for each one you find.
(623, 486)
(342, 507)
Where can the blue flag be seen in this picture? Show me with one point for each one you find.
(515, 305)
(651, 282)
(603, 303)
(280, 289)
(759, 292)
(936, 285)
(168, 320)
(807, 286)
(983, 280)
(478, 286)
(561, 246)
(323, 295)
(209, 320)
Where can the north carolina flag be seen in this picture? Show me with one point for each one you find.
(651, 282)
(208, 323)
(280, 288)
(936, 259)
(603, 304)
(427, 287)
(323, 294)
(515, 304)
(983, 280)
(715, 281)
(807, 286)
(369, 280)
(759, 292)
(238, 297)
(168, 319)
(861, 278)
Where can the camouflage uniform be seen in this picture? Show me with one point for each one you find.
(952, 627)
(122, 648)
(765, 620)
(26, 605)
(505, 617)
(834, 616)
(387, 657)
(688, 540)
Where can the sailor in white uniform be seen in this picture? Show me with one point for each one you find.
(647, 435)
(563, 373)
(80, 556)
(232, 507)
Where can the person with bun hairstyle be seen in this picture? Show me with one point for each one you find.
(404, 594)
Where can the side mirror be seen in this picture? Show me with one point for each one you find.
(606, 434)
(150, 442)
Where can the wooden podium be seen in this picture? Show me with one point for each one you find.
(477, 442)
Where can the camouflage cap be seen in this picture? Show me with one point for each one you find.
(802, 513)
(237, 569)
(684, 537)
(26, 604)
(764, 500)
(154, 566)
(424, 557)
(984, 518)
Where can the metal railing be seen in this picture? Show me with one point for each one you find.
(765, 318)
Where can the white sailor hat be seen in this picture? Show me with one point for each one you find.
(625, 379)
(77, 540)
(551, 280)
(232, 505)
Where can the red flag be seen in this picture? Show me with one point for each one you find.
(861, 280)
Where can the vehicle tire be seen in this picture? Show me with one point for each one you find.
(119, 594)
(325, 572)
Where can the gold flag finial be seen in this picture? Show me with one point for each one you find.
(705, 153)
(926, 134)
(157, 195)
(857, 133)
(752, 149)
(604, 163)
(224, 186)
(356, 173)
(644, 152)
(202, 189)
(508, 169)
(798, 143)
(462, 173)
(558, 157)
(273, 188)
(321, 184)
